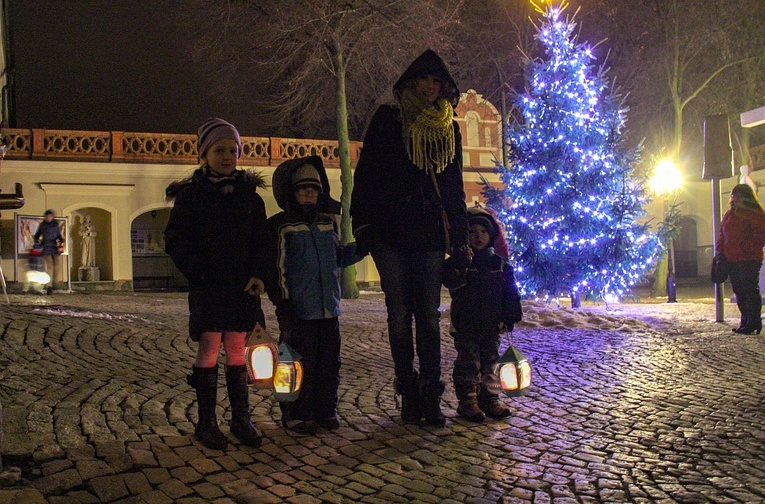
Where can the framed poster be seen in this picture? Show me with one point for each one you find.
(26, 227)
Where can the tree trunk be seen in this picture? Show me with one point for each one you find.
(348, 286)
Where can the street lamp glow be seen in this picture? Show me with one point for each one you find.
(666, 178)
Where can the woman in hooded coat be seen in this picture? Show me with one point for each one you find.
(408, 209)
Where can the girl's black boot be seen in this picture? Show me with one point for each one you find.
(239, 397)
(205, 381)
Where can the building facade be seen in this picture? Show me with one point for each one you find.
(118, 179)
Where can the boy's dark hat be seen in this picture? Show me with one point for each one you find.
(306, 176)
(430, 63)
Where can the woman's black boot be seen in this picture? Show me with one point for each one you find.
(430, 394)
(239, 397)
(205, 381)
(411, 411)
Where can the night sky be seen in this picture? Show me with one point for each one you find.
(111, 65)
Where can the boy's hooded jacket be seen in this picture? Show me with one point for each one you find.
(394, 202)
(309, 254)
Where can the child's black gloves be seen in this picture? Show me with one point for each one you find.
(461, 257)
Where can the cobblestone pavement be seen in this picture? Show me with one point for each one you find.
(96, 409)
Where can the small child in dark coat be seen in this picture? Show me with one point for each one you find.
(307, 291)
(485, 301)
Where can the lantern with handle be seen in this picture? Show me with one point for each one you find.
(514, 372)
(288, 376)
(261, 357)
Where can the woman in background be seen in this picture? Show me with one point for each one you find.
(741, 240)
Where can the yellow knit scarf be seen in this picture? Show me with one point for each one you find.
(428, 131)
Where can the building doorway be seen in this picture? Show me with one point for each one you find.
(153, 269)
(686, 249)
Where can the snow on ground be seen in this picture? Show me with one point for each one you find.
(626, 317)
(650, 314)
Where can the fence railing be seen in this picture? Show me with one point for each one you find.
(123, 146)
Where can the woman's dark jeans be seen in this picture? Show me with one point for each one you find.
(411, 281)
(745, 280)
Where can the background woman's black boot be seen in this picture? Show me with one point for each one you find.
(205, 381)
(239, 397)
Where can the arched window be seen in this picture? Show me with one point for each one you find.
(472, 120)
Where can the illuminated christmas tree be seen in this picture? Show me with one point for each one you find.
(573, 208)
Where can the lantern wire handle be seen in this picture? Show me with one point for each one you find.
(507, 337)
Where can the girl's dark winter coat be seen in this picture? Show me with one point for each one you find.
(397, 199)
(219, 240)
(484, 296)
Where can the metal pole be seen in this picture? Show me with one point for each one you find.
(671, 297)
(716, 224)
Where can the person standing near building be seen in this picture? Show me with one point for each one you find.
(741, 240)
(49, 235)
(218, 237)
(408, 210)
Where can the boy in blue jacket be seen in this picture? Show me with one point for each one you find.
(307, 292)
(485, 301)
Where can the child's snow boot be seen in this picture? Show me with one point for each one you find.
(491, 405)
(239, 397)
(205, 381)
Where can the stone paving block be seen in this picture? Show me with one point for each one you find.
(55, 466)
(112, 448)
(22, 496)
(227, 462)
(204, 465)
(241, 457)
(108, 488)
(58, 482)
(137, 483)
(185, 474)
(208, 491)
(48, 452)
(156, 475)
(175, 489)
(120, 463)
(303, 499)
(81, 452)
(220, 478)
(142, 457)
(367, 480)
(90, 469)
(176, 441)
(156, 497)
(189, 452)
(168, 460)
(259, 496)
(284, 478)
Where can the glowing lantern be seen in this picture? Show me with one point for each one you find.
(261, 356)
(514, 372)
(289, 374)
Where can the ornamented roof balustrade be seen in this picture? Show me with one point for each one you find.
(128, 147)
